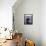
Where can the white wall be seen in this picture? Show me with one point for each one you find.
(43, 22)
(29, 31)
(6, 13)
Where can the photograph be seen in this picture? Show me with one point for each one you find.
(28, 19)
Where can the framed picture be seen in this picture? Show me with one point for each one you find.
(28, 19)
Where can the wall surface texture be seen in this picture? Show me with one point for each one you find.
(29, 31)
(37, 31)
(43, 22)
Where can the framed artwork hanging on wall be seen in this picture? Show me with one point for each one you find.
(28, 19)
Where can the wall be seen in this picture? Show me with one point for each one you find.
(43, 22)
(29, 31)
(6, 13)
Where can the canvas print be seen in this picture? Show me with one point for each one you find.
(28, 19)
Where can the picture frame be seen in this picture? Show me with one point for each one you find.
(28, 19)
